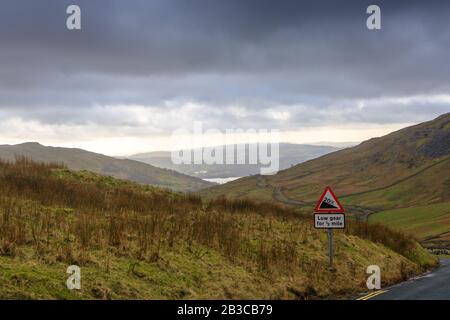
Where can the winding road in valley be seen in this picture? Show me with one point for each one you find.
(361, 213)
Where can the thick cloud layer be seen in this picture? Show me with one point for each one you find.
(245, 63)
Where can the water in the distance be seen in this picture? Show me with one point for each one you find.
(222, 180)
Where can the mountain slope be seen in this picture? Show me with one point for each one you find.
(290, 154)
(413, 162)
(78, 159)
(142, 242)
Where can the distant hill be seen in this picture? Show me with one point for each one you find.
(409, 167)
(78, 159)
(290, 155)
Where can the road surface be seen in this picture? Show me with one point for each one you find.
(431, 286)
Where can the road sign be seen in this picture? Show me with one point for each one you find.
(329, 220)
(329, 214)
(328, 202)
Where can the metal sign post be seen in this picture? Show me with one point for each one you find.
(330, 246)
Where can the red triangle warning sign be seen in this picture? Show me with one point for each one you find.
(328, 202)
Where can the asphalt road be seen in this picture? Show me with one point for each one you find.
(431, 286)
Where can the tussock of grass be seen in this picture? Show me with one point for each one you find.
(402, 243)
(138, 242)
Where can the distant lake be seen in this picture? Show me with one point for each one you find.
(222, 180)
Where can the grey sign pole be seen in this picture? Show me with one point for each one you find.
(330, 246)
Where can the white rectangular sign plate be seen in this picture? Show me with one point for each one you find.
(329, 220)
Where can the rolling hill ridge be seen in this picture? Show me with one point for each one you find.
(78, 159)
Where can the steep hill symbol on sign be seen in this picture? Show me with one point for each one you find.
(328, 202)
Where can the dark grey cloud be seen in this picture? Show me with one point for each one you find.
(308, 58)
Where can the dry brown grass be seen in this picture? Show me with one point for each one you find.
(59, 215)
(64, 219)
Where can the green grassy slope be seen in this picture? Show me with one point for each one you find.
(142, 242)
(78, 159)
(198, 272)
(422, 222)
(428, 187)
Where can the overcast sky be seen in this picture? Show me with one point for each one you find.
(138, 70)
